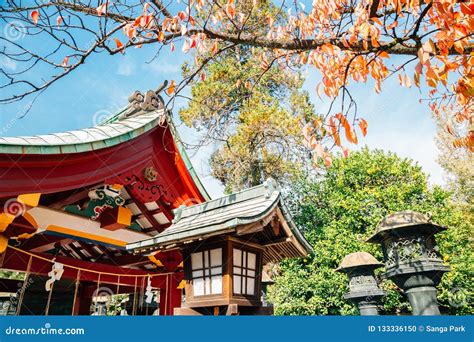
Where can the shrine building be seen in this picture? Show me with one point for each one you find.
(117, 209)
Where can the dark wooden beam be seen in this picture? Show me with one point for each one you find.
(42, 243)
(130, 260)
(77, 196)
(149, 214)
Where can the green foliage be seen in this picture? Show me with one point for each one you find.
(257, 122)
(115, 304)
(341, 210)
(254, 110)
(11, 275)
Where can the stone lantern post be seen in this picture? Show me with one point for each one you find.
(411, 257)
(363, 289)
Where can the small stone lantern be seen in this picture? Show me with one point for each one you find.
(363, 288)
(411, 257)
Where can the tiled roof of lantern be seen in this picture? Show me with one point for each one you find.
(233, 214)
(358, 259)
(402, 221)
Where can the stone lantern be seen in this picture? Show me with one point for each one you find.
(412, 259)
(363, 288)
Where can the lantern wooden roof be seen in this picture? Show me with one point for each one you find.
(257, 214)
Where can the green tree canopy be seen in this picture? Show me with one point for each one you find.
(254, 110)
(257, 124)
(339, 211)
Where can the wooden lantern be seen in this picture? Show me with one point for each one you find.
(223, 272)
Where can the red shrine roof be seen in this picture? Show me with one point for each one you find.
(139, 136)
(134, 159)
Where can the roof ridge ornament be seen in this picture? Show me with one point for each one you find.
(271, 186)
(178, 213)
(139, 103)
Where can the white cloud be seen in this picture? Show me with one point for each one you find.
(161, 68)
(400, 124)
(8, 63)
(126, 68)
(416, 145)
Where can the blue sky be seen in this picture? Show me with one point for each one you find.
(397, 121)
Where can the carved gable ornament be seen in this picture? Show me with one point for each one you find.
(139, 103)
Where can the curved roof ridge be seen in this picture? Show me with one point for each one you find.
(87, 139)
(269, 187)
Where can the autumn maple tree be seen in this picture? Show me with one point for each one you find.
(347, 41)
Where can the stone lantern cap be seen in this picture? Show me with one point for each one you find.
(400, 223)
(356, 260)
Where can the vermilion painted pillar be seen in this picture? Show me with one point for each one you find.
(170, 295)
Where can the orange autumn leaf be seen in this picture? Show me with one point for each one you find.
(214, 48)
(337, 138)
(161, 36)
(230, 10)
(449, 128)
(307, 131)
(170, 89)
(342, 119)
(327, 160)
(345, 152)
(429, 46)
(377, 86)
(119, 45)
(59, 20)
(334, 132)
(407, 81)
(376, 20)
(138, 21)
(102, 9)
(351, 136)
(35, 16)
(363, 126)
(467, 8)
(65, 62)
(130, 31)
(182, 15)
